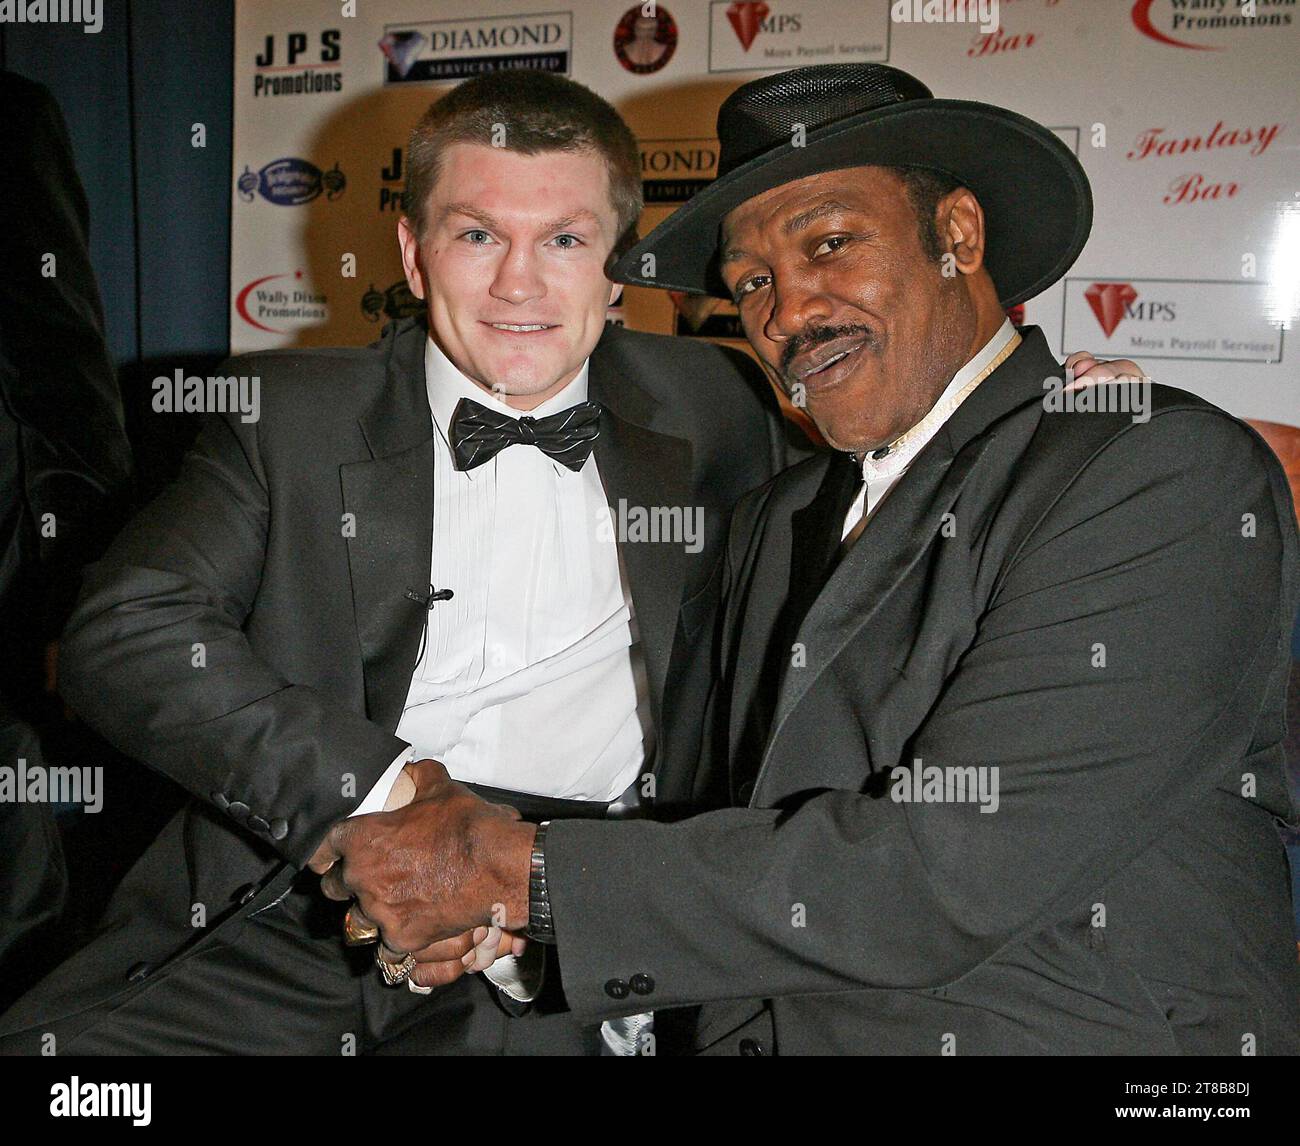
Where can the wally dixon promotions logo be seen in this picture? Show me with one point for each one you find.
(290, 182)
(1208, 25)
(289, 307)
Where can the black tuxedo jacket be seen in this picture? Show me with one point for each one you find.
(1099, 610)
(249, 633)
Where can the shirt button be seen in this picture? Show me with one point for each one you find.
(642, 984)
(617, 988)
(238, 810)
(278, 828)
(751, 1048)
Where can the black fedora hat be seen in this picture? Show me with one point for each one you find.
(1034, 193)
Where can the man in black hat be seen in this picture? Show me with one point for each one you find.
(1002, 709)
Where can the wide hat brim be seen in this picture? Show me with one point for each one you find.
(1034, 193)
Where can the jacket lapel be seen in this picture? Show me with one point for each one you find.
(642, 468)
(907, 523)
(390, 531)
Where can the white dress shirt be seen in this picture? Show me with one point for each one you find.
(531, 677)
(880, 475)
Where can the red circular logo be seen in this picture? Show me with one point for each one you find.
(645, 43)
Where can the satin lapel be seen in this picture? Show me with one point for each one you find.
(642, 469)
(873, 567)
(390, 500)
(792, 569)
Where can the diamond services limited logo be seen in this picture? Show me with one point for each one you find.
(438, 51)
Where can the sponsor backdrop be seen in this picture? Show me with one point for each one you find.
(1185, 113)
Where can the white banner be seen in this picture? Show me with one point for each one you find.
(1185, 115)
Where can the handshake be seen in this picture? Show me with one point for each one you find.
(440, 878)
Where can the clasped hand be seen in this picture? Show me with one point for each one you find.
(444, 877)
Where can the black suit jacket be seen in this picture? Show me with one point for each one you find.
(249, 633)
(1096, 608)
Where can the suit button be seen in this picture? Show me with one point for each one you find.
(642, 984)
(751, 1048)
(278, 829)
(745, 792)
(219, 798)
(257, 823)
(617, 988)
(139, 972)
(238, 810)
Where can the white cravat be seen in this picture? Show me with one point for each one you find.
(880, 475)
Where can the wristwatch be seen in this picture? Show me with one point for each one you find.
(540, 925)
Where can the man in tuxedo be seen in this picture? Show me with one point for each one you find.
(419, 549)
(1003, 674)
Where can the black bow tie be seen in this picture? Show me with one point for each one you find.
(479, 434)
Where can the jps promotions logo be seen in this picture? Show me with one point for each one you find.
(436, 51)
(1172, 318)
(395, 303)
(672, 170)
(768, 35)
(298, 63)
(279, 304)
(1210, 25)
(392, 176)
(290, 182)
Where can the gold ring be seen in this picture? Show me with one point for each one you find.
(358, 934)
(395, 973)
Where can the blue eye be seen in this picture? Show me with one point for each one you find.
(573, 241)
(479, 241)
